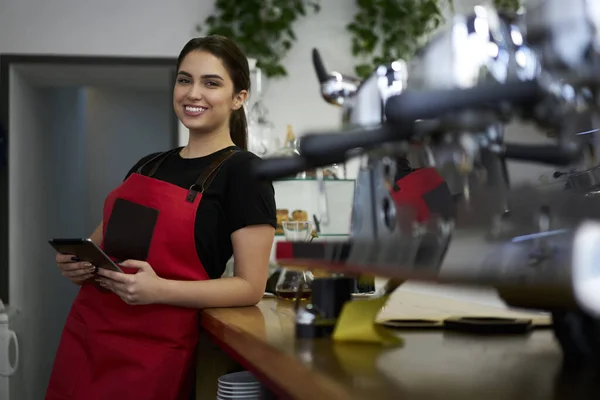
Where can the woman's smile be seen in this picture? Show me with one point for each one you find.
(194, 111)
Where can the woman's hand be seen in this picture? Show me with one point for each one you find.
(73, 269)
(139, 288)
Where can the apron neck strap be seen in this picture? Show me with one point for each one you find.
(208, 175)
(159, 158)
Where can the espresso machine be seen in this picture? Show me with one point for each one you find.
(448, 107)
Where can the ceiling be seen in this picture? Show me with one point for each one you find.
(105, 76)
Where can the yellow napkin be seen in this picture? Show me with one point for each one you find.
(356, 323)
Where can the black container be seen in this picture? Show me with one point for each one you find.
(329, 295)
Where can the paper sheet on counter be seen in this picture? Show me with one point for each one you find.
(414, 304)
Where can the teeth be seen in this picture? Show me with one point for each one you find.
(195, 109)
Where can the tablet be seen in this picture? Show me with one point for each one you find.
(85, 250)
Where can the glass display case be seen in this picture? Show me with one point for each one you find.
(301, 199)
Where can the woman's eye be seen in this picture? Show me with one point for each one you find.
(210, 83)
(183, 80)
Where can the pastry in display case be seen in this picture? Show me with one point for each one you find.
(282, 215)
(330, 212)
(302, 216)
(299, 215)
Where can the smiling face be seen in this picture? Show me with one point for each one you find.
(204, 95)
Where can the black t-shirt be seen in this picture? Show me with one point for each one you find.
(233, 201)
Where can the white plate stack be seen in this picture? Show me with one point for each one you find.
(238, 385)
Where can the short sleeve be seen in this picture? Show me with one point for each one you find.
(249, 201)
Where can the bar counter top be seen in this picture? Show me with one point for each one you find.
(431, 364)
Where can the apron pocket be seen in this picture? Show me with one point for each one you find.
(129, 230)
(71, 358)
(129, 368)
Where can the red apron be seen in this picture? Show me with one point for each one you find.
(426, 191)
(113, 351)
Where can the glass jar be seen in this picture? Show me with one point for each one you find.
(290, 280)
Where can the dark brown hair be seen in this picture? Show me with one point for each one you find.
(236, 64)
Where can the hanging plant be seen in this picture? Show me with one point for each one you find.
(387, 30)
(264, 29)
(511, 6)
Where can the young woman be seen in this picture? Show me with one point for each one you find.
(175, 221)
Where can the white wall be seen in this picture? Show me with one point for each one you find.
(159, 28)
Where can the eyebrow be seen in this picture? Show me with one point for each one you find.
(207, 76)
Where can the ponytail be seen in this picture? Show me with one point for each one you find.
(238, 128)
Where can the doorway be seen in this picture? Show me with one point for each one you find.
(72, 127)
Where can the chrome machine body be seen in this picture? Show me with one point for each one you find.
(536, 247)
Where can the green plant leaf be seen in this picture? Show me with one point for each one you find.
(352, 27)
(507, 5)
(363, 70)
(383, 31)
(291, 33)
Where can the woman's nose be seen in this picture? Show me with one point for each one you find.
(195, 92)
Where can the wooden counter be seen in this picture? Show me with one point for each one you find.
(430, 365)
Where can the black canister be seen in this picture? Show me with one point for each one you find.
(330, 294)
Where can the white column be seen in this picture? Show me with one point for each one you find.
(183, 135)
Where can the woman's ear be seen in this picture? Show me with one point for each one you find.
(239, 99)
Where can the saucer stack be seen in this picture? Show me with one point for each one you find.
(238, 385)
